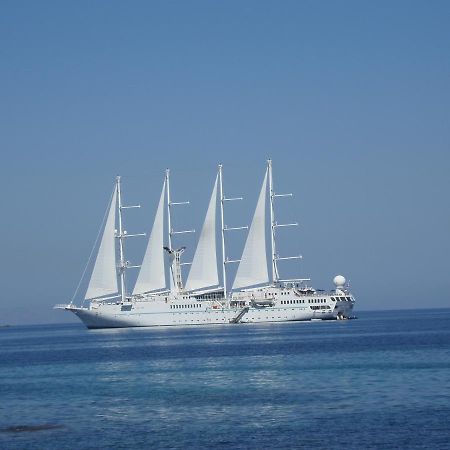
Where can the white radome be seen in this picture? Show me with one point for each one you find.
(339, 281)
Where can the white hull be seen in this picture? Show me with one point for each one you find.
(189, 311)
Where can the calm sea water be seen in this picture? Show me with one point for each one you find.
(382, 381)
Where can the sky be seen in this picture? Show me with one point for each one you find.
(350, 99)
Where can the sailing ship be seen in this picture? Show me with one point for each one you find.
(254, 296)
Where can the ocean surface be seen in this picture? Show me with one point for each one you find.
(381, 381)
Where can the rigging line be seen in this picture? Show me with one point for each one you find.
(93, 248)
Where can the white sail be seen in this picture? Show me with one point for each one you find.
(203, 271)
(104, 275)
(151, 275)
(252, 269)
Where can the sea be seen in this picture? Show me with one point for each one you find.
(381, 381)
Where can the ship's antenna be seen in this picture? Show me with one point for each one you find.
(274, 225)
(224, 228)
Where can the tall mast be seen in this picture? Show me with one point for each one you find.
(222, 232)
(121, 238)
(169, 219)
(169, 226)
(224, 228)
(274, 225)
(174, 282)
(123, 265)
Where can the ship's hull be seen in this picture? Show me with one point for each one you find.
(149, 314)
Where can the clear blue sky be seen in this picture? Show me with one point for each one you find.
(351, 100)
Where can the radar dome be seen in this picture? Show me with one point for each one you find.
(339, 281)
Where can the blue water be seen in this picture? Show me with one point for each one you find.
(382, 381)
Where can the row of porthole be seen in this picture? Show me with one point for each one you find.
(290, 302)
(193, 305)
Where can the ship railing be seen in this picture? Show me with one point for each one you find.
(239, 296)
(261, 295)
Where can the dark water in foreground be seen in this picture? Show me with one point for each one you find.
(382, 381)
